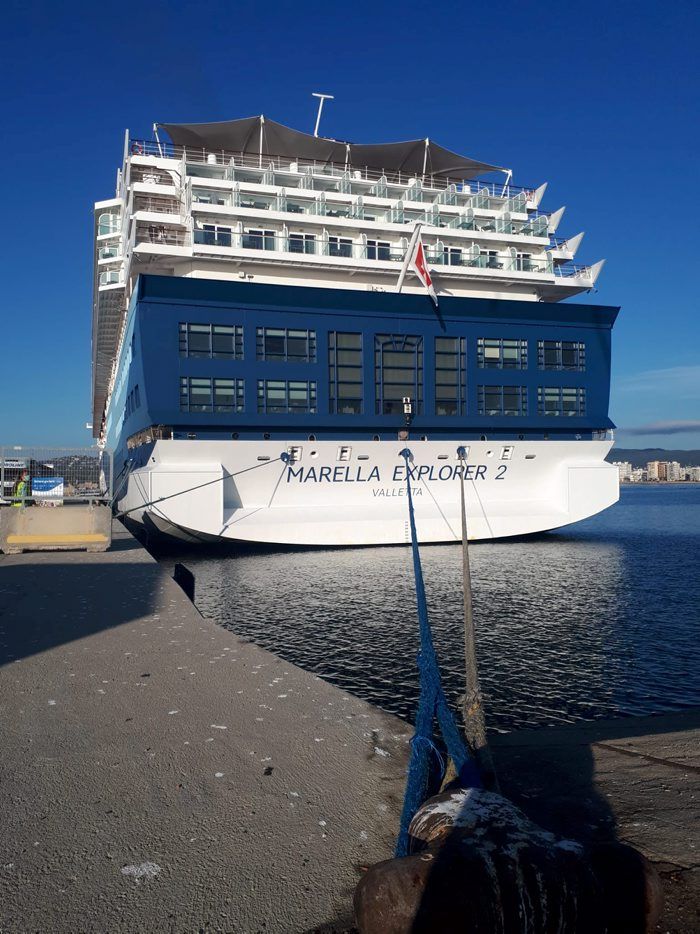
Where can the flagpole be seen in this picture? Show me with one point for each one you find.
(409, 254)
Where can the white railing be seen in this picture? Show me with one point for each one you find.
(299, 166)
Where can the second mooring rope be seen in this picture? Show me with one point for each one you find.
(432, 704)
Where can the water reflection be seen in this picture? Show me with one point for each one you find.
(599, 620)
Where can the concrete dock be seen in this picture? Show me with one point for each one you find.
(160, 774)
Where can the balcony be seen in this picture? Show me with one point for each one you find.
(156, 205)
(112, 251)
(158, 235)
(108, 224)
(110, 277)
(251, 167)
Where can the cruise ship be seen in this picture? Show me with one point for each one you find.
(268, 364)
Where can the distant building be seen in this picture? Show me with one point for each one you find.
(653, 470)
(673, 471)
(693, 474)
(624, 468)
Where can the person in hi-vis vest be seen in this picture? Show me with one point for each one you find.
(21, 491)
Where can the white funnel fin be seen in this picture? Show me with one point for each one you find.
(595, 270)
(573, 243)
(555, 220)
(538, 194)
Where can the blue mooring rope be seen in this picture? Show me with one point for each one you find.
(431, 704)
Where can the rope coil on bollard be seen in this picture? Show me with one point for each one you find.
(432, 704)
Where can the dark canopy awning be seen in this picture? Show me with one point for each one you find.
(261, 136)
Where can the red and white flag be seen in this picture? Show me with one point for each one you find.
(415, 260)
(419, 265)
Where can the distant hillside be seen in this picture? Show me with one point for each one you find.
(639, 457)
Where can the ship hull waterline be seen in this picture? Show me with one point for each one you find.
(335, 493)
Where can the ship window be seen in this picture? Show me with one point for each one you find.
(202, 394)
(450, 396)
(502, 400)
(378, 249)
(345, 373)
(561, 400)
(339, 246)
(561, 355)
(497, 353)
(294, 345)
(452, 256)
(211, 340)
(286, 396)
(302, 243)
(213, 235)
(258, 240)
(398, 363)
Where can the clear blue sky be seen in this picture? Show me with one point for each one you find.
(598, 99)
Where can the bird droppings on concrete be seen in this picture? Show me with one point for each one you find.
(147, 870)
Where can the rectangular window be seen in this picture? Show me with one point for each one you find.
(398, 369)
(498, 353)
(258, 240)
(293, 344)
(204, 394)
(285, 396)
(561, 355)
(213, 235)
(561, 400)
(502, 400)
(339, 246)
(222, 341)
(345, 373)
(378, 249)
(450, 368)
(452, 256)
(302, 243)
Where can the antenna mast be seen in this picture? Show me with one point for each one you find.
(322, 99)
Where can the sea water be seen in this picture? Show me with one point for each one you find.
(600, 619)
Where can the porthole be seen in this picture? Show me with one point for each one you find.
(521, 437)
(483, 438)
(375, 438)
(424, 437)
(312, 437)
(266, 436)
(234, 436)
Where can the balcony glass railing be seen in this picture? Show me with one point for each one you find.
(110, 277)
(298, 167)
(109, 252)
(157, 234)
(346, 248)
(397, 214)
(107, 224)
(157, 205)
